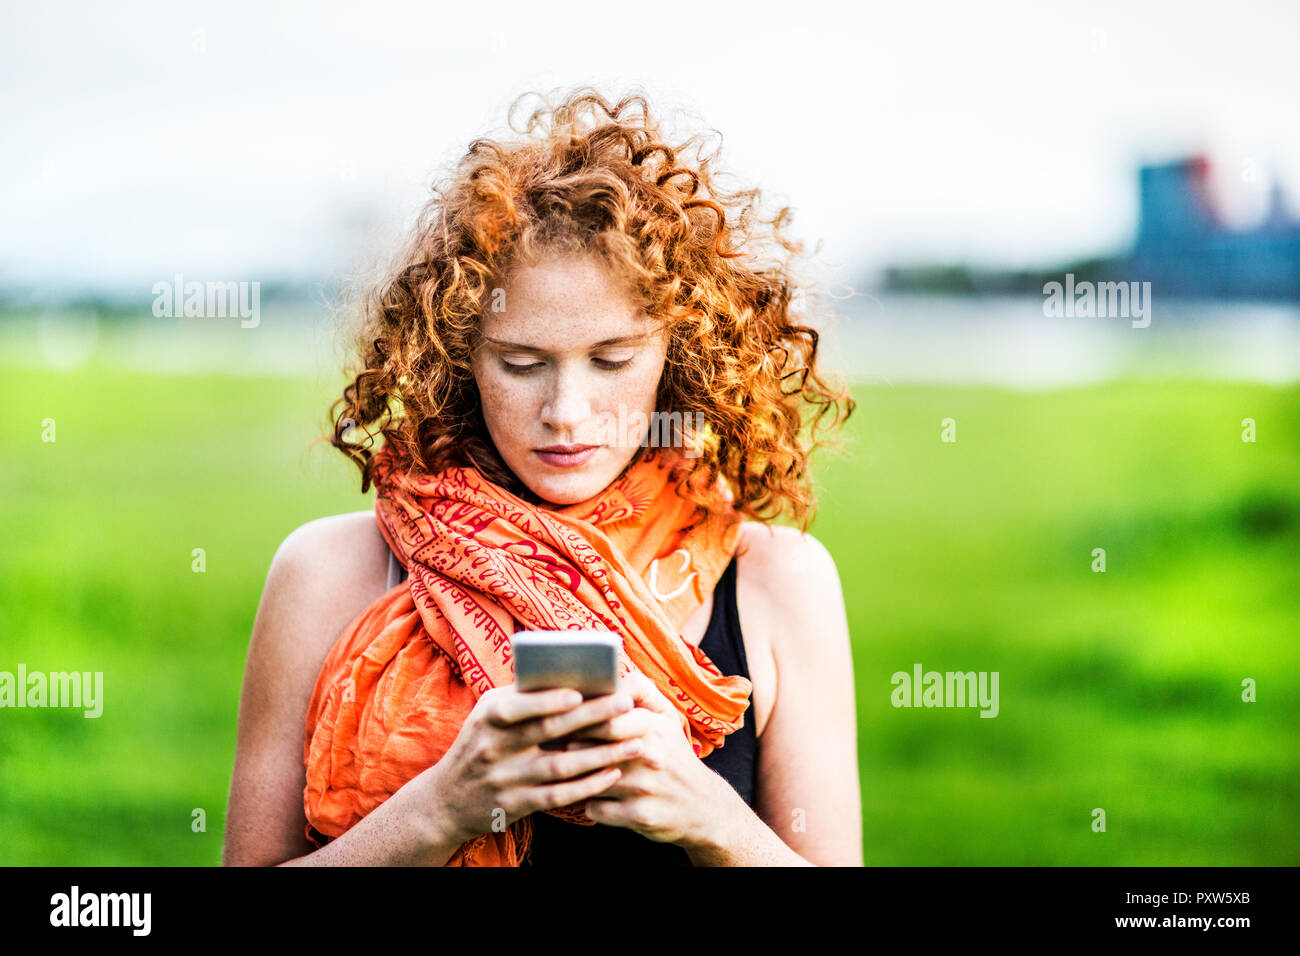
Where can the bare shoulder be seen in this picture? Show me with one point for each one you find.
(807, 764)
(340, 544)
(327, 571)
(778, 548)
(791, 613)
(791, 573)
(322, 576)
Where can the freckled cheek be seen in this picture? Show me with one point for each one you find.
(646, 388)
(508, 407)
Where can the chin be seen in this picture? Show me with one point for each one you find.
(569, 486)
(562, 499)
(566, 489)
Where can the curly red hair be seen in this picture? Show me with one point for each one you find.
(592, 177)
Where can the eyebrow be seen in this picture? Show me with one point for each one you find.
(533, 348)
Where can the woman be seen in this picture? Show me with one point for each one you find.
(591, 407)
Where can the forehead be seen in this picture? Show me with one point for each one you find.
(563, 301)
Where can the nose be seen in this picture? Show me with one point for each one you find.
(568, 405)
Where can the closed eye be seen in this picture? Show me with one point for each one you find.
(605, 364)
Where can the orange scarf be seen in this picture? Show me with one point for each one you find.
(392, 694)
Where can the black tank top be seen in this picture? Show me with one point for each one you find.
(557, 842)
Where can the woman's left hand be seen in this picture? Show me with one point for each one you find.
(665, 793)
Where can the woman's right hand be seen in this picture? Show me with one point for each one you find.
(495, 772)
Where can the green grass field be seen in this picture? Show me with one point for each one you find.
(1118, 690)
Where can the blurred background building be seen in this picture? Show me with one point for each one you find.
(1184, 247)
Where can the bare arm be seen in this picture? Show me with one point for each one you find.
(808, 791)
(396, 833)
(320, 579)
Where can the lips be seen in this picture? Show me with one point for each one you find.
(566, 456)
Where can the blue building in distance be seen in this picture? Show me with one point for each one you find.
(1184, 249)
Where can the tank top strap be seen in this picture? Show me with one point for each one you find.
(396, 573)
(722, 641)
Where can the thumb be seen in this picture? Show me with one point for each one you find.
(645, 693)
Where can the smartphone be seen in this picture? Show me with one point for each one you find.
(586, 661)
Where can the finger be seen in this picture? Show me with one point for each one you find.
(591, 712)
(519, 706)
(562, 794)
(634, 723)
(546, 766)
(577, 740)
(648, 695)
(606, 809)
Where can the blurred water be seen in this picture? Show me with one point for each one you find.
(1009, 341)
(886, 340)
(288, 340)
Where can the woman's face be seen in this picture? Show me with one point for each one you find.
(569, 360)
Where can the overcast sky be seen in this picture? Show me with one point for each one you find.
(250, 140)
